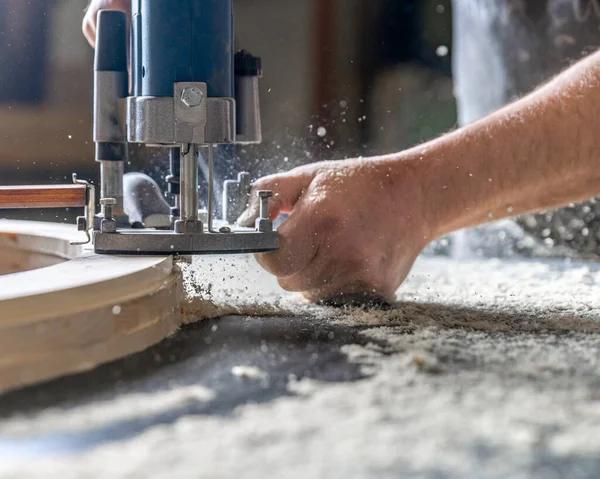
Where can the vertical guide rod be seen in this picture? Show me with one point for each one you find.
(111, 183)
(173, 179)
(189, 182)
(210, 189)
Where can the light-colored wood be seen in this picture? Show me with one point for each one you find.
(84, 310)
(17, 254)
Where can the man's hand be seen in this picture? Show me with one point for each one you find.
(89, 21)
(355, 229)
(356, 226)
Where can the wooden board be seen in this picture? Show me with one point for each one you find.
(83, 310)
(43, 196)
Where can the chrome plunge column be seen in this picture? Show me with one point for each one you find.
(110, 88)
(189, 222)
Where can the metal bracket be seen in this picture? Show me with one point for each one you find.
(86, 222)
(236, 196)
(190, 113)
(190, 116)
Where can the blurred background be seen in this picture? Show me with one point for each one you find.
(341, 78)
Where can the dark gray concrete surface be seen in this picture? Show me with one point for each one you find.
(203, 354)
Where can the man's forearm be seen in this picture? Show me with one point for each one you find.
(540, 152)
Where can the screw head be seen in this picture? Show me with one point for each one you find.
(191, 96)
(264, 193)
(108, 201)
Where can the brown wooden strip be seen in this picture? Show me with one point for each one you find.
(42, 196)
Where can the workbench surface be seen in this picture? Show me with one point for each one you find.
(484, 368)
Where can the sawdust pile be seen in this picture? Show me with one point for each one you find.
(221, 286)
(512, 295)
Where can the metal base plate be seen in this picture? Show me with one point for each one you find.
(157, 242)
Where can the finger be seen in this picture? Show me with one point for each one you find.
(90, 19)
(298, 245)
(316, 274)
(287, 189)
(352, 292)
(321, 274)
(327, 267)
(330, 279)
(88, 30)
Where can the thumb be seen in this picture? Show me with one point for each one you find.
(90, 19)
(287, 189)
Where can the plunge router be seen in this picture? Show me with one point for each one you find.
(176, 84)
(188, 92)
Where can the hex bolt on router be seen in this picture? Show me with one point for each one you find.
(191, 97)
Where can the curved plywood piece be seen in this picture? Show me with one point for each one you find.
(68, 309)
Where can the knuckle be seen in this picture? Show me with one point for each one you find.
(261, 183)
(266, 183)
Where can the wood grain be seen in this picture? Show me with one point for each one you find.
(81, 312)
(43, 196)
